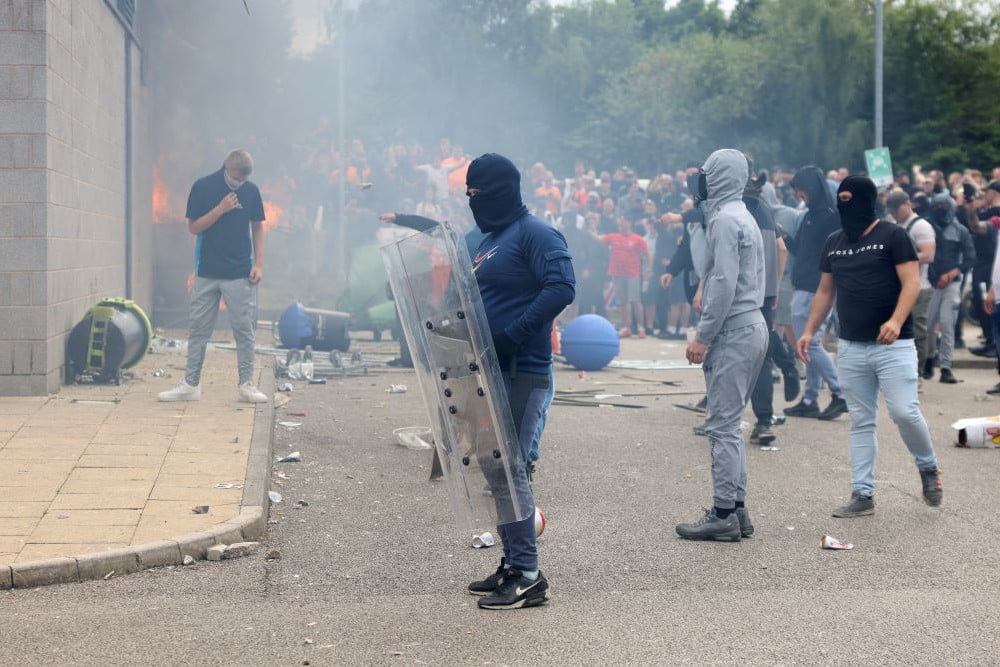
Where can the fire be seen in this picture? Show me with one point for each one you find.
(272, 214)
(161, 198)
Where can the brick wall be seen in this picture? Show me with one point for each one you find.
(62, 180)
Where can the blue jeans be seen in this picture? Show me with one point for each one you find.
(820, 367)
(533, 451)
(866, 368)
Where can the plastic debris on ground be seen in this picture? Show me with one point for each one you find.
(200, 509)
(483, 541)
(296, 414)
(229, 485)
(281, 399)
(830, 542)
(414, 437)
(290, 424)
(286, 387)
(294, 457)
(396, 389)
(274, 496)
(770, 449)
(977, 432)
(653, 365)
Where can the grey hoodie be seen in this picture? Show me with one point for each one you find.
(733, 289)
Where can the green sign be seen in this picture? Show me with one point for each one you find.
(879, 166)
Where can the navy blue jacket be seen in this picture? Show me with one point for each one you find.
(526, 279)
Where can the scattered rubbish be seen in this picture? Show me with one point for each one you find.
(296, 414)
(286, 387)
(160, 344)
(290, 424)
(109, 575)
(540, 522)
(229, 485)
(483, 541)
(688, 406)
(235, 439)
(188, 559)
(240, 550)
(653, 365)
(978, 432)
(307, 641)
(299, 504)
(85, 401)
(770, 449)
(158, 373)
(414, 437)
(200, 509)
(274, 496)
(396, 389)
(829, 542)
(582, 375)
(281, 399)
(585, 400)
(365, 185)
(317, 381)
(779, 420)
(294, 457)
(790, 527)
(215, 552)
(281, 474)
(273, 554)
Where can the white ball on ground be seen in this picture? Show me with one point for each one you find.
(539, 522)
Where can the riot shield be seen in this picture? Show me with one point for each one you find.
(445, 325)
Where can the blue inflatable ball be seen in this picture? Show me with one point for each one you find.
(590, 342)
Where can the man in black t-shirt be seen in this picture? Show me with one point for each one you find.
(871, 268)
(226, 213)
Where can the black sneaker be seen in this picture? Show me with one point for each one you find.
(516, 591)
(791, 379)
(762, 435)
(711, 527)
(947, 377)
(743, 516)
(929, 368)
(859, 506)
(837, 407)
(995, 389)
(490, 583)
(702, 405)
(803, 409)
(931, 481)
(987, 350)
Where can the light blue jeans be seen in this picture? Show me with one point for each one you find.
(865, 368)
(820, 367)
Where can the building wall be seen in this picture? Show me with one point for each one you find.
(62, 180)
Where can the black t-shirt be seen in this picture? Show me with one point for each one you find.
(224, 250)
(865, 275)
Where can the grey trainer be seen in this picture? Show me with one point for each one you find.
(743, 516)
(711, 527)
(859, 506)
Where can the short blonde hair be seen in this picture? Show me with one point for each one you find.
(239, 161)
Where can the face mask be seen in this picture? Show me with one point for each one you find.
(939, 215)
(233, 184)
(697, 185)
(856, 204)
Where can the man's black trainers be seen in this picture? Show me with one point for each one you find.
(490, 583)
(929, 368)
(931, 481)
(516, 591)
(711, 527)
(837, 407)
(948, 377)
(803, 409)
(859, 506)
(743, 516)
(762, 435)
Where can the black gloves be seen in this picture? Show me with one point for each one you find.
(504, 345)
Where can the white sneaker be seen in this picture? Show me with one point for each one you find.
(182, 392)
(251, 394)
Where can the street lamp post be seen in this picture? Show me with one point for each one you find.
(878, 73)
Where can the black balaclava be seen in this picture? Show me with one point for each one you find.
(942, 209)
(810, 179)
(856, 199)
(498, 203)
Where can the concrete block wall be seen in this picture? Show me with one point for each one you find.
(62, 180)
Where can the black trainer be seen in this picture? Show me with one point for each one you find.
(711, 527)
(702, 405)
(837, 407)
(516, 591)
(948, 377)
(929, 368)
(790, 377)
(859, 506)
(490, 583)
(931, 481)
(803, 409)
(746, 526)
(762, 435)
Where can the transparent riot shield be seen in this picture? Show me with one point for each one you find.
(445, 325)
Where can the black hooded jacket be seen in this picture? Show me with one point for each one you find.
(820, 221)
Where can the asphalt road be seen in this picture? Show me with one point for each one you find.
(373, 569)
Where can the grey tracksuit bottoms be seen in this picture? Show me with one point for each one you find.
(239, 296)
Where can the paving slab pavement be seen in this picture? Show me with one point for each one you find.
(94, 475)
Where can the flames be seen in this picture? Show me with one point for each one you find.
(167, 207)
(161, 199)
(272, 214)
